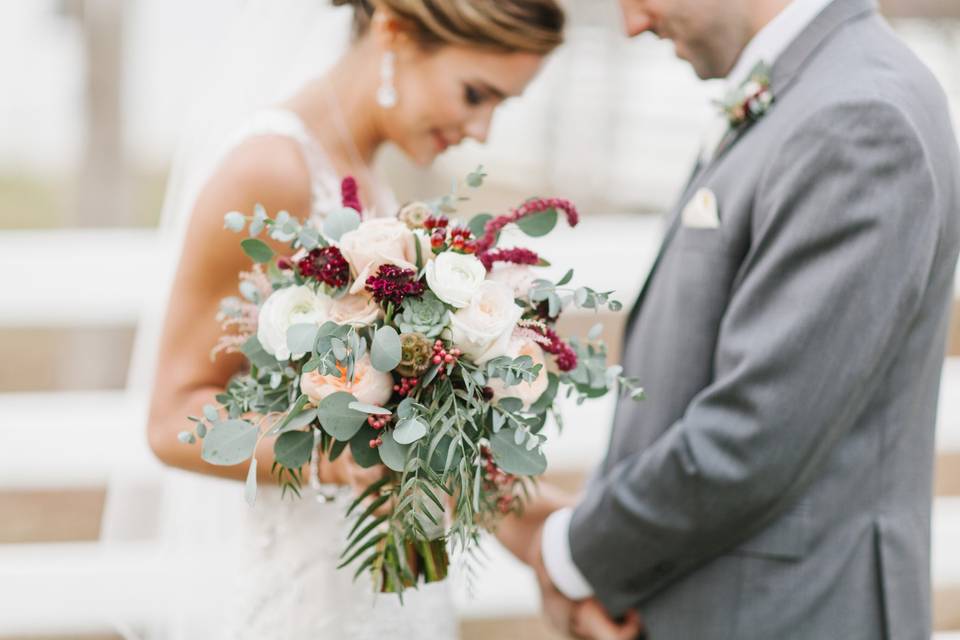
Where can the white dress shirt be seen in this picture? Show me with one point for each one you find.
(766, 46)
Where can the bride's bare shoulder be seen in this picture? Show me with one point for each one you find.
(268, 169)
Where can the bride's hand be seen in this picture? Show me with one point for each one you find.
(345, 470)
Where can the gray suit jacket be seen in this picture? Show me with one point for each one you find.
(777, 481)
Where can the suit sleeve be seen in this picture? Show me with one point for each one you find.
(844, 236)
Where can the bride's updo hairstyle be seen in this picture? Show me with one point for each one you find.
(532, 26)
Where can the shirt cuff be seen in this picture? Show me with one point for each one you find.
(555, 549)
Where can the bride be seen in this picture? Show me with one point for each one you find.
(421, 74)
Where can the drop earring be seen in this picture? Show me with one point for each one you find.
(387, 92)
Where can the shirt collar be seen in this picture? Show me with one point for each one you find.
(774, 38)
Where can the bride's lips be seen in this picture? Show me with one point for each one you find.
(441, 142)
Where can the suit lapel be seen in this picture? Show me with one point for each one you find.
(785, 72)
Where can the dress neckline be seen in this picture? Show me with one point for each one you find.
(322, 168)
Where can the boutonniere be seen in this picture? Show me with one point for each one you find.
(751, 100)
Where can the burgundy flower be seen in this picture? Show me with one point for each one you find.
(349, 194)
(327, 265)
(394, 284)
(513, 256)
(528, 208)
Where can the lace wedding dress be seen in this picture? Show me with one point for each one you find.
(286, 551)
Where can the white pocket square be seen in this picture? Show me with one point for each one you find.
(701, 212)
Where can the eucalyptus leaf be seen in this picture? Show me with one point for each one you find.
(337, 418)
(385, 352)
(309, 238)
(363, 454)
(392, 453)
(546, 398)
(294, 418)
(511, 405)
(514, 458)
(410, 430)
(519, 436)
(553, 302)
(370, 409)
(567, 277)
(538, 224)
(256, 354)
(257, 250)
(234, 221)
(405, 408)
(478, 224)
(595, 331)
(339, 349)
(293, 449)
(210, 413)
(580, 296)
(340, 222)
(300, 421)
(301, 337)
(230, 442)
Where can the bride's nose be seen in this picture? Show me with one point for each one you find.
(478, 127)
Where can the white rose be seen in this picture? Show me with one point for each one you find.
(285, 308)
(455, 277)
(378, 242)
(358, 309)
(482, 330)
(528, 392)
(518, 277)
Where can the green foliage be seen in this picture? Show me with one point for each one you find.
(293, 448)
(337, 418)
(385, 352)
(538, 224)
(257, 250)
(230, 442)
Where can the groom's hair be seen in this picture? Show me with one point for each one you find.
(532, 26)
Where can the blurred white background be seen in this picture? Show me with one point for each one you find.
(93, 95)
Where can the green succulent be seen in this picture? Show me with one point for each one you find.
(425, 315)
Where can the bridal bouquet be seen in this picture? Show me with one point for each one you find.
(419, 344)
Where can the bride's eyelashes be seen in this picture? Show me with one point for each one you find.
(472, 96)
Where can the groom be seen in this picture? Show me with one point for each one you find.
(777, 482)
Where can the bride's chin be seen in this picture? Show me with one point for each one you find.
(422, 158)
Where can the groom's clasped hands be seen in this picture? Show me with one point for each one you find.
(577, 618)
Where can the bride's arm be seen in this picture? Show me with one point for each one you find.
(516, 532)
(267, 170)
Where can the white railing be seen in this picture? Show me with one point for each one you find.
(61, 439)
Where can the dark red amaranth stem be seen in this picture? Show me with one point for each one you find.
(566, 357)
(512, 256)
(350, 194)
(528, 208)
